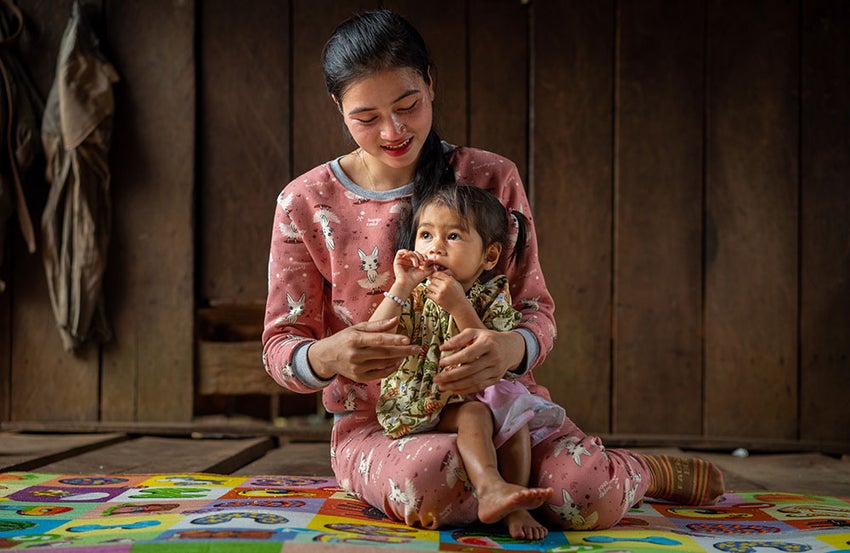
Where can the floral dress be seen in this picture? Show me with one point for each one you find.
(410, 401)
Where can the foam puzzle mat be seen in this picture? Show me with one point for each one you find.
(210, 513)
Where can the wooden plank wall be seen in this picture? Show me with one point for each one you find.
(825, 238)
(687, 163)
(145, 373)
(44, 381)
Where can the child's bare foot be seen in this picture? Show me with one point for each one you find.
(521, 525)
(499, 499)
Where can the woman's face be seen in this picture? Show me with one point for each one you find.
(389, 115)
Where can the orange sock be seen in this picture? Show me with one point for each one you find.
(686, 481)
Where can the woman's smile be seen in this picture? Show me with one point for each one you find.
(400, 149)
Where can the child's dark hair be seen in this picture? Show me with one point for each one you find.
(374, 41)
(480, 210)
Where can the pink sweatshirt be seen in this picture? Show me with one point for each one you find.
(331, 258)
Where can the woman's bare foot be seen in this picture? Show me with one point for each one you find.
(521, 525)
(497, 500)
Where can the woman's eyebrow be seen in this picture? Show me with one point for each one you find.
(407, 93)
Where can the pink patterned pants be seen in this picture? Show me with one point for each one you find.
(419, 479)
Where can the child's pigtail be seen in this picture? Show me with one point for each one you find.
(522, 225)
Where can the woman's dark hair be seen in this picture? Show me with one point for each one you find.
(479, 210)
(375, 41)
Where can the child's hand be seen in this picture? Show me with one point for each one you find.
(410, 269)
(447, 292)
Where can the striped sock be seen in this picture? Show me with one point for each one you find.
(686, 481)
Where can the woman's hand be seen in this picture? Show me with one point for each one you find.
(483, 360)
(363, 352)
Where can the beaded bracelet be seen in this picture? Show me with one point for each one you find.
(397, 299)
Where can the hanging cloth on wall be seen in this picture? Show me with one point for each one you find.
(77, 219)
(20, 109)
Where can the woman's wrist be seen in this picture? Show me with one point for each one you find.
(515, 364)
(314, 359)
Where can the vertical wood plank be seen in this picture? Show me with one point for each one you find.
(571, 192)
(499, 73)
(5, 340)
(443, 25)
(825, 248)
(752, 201)
(658, 236)
(47, 383)
(317, 128)
(45, 22)
(244, 142)
(147, 370)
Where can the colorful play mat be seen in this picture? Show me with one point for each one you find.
(207, 513)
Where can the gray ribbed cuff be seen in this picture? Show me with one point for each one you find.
(304, 372)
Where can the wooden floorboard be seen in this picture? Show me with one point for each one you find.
(23, 452)
(150, 455)
(293, 459)
(320, 432)
(119, 453)
(807, 473)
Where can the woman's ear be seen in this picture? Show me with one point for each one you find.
(431, 83)
(337, 103)
(491, 255)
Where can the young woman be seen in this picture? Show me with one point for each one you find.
(332, 248)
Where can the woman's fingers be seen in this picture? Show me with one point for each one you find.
(378, 340)
(468, 378)
(379, 350)
(381, 325)
(362, 352)
(381, 372)
(480, 359)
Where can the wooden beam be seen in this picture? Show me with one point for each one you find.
(23, 452)
(234, 368)
(296, 459)
(152, 455)
(804, 473)
(301, 433)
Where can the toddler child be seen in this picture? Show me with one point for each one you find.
(442, 286)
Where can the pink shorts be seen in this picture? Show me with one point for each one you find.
(513, 406)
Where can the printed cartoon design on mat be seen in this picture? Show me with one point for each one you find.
(754, 546)
(70, 513)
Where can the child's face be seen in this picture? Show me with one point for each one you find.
(444, 239)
